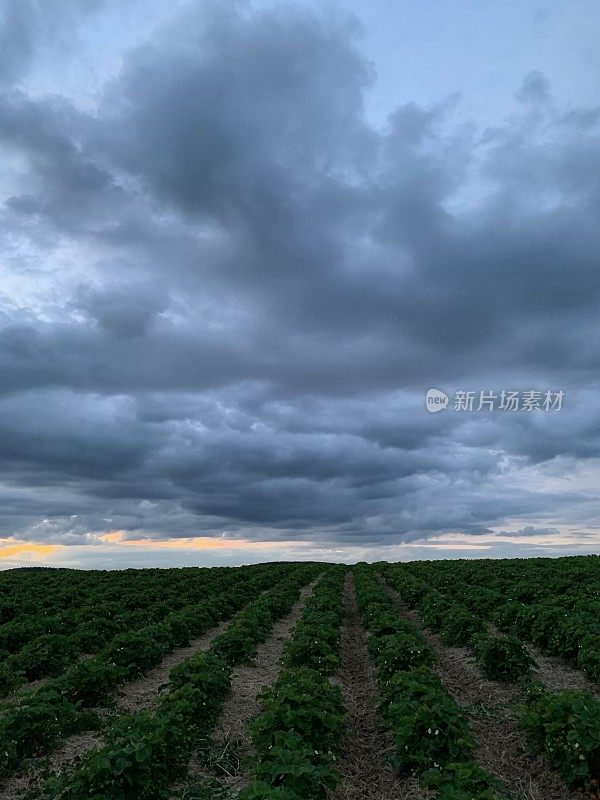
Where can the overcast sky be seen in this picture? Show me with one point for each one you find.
(238, 244)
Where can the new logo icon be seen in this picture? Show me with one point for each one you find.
(435, 400)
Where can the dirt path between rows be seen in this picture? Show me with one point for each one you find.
(553, 671)
(557, 675)
(230, 744)
(61, 760)
(19, 694)
(132, 697)
(366, 773)
(146, 692)
(501, 747)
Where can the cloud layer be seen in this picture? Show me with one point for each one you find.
(227, 291)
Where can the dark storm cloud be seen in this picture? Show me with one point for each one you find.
(230, 118)
(240, 291)
(114, 312)
(62, 189)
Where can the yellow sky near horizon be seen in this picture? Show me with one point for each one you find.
(103, 547)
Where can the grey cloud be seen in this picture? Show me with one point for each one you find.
(535, 88)
(529, 530)
(255, 287)
(225, 110)
(64, 186)
(126, 311)
(26, 24)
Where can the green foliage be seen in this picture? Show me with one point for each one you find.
(259, 790)
(554, 603)
(297, 733)
(238, 643)
(296, 736)
(502, 658)
(588, 658)
(145, 752)
(15, 634)
(315, 641)
(315, 646)
(47, 655)
(385, 623)
(565, 640)
(412, 683)
(565, 727)
(292, 765)
(129, 620)
(432, 610)
(11, 677)
(204, 671)
(33, 727)
(178, 629)
(303, 702)
(463, 781)
(507, 615)
(142, 754)
(134, 653)
(459, 626)
(92, 635)
(400, 652)
(90, 682)
(429, 729)
(37, 721)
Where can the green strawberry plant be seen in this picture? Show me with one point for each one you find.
(565, 727)
(502, 658)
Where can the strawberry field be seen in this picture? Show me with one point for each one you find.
(457, 680)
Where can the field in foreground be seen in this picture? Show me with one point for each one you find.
(458, 680)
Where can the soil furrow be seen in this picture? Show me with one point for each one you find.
(553, 671)
(365, 771)
(61, 760)
(501, 747)
(145, 692)
(19, 694)
(132, 697)
(230, 745)
(557, 675)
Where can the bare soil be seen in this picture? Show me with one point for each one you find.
(365, 771)
(133, 697)
(17, 694)
(230, 745)
(557, 675)
(554, 672)
(501, 747)
(32, 686)
(145, 692)
(61, 760)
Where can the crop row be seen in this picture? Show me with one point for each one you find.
(43, 717)
(34, 603)
(145, 752)
(296, 736)
(430, 731)
(501, 658)
(66, 636)
(563, 725)
(553, 604)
